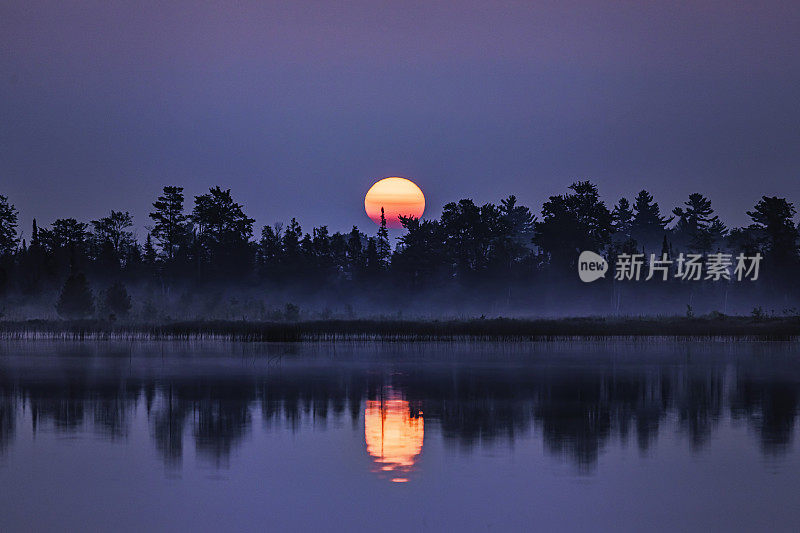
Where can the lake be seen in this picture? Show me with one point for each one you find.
(627, 435)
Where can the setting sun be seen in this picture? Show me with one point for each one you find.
(397, 196)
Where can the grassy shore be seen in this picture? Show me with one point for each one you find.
(498, 329)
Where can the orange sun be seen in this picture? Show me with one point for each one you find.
(397, 196)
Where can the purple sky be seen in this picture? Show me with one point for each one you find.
(299, 106)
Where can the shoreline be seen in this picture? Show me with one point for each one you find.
(723, 328)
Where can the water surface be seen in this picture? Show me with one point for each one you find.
(439, 436)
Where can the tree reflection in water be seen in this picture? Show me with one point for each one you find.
(576, 405)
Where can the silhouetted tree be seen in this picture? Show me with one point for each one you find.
(717, 232)
(69, 233)
(519, 222)
(149, 256)
(321, 253)
(8, 240)
(116, 301)
(32, 264)
(622, 219)
(420, 256)
(76, 299)
(461, 223)
(114, 229)
(171, 229)
(8, 227)
(338, 251)
(270, 250)
(477, 240)
(292, 261)
(113, 240)
(773, 219)
(748, 241)
(621, 224)
(572, 223)
(698, 228)
(35, 234)
(66, 245)
(372, 262)
(355, 253)
(648, 227)
(384, 248)
(223, 232)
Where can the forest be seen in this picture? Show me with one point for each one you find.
(205, 260)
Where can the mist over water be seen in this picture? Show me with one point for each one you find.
(197, 435)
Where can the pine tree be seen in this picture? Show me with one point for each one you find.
(35, 235)
(372, 262)
(171, 229)
(321, 247)
(648, 227)
(8, 227)
(622, 218)
(384, 248)
(150, 255)
(76, 299)
(32, 263)
(290, 243)
(66, 243)
(519, 222)
(355, 253)
(270, 250)
(773, 220)
(698, 226)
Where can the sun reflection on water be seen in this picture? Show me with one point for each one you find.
(394, 434)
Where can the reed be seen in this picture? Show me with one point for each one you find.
(497, 329)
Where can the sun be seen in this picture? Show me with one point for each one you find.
(397, 196)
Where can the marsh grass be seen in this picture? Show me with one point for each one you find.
(497, 329)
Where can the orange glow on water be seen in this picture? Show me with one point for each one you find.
(397, 196)
(394, 438)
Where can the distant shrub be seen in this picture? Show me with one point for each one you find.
(150, 311)
(291, 313)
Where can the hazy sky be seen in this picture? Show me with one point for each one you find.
(299, 106)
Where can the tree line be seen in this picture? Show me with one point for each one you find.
(468, 245)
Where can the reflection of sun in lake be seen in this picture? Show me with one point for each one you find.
(393, 436)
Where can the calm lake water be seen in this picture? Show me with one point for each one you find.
(548, 436)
